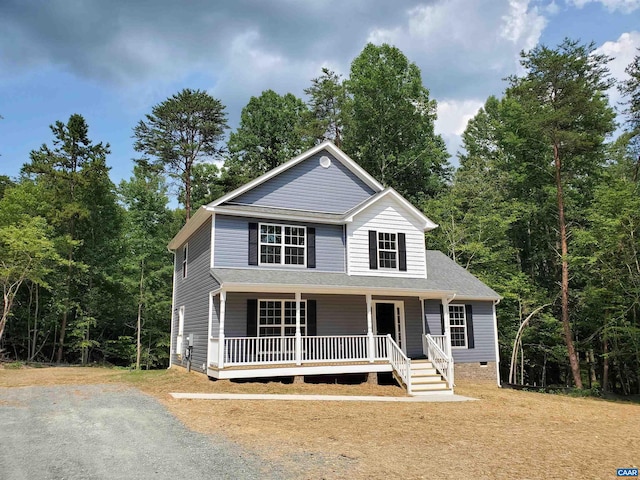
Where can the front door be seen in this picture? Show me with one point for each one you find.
(390, 321)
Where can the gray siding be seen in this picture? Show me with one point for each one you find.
(309, 186)
(193, 293)
(484, 350)
(231, 245)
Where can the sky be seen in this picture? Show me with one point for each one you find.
(112, 61)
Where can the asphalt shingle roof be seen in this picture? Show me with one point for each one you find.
(443, 275)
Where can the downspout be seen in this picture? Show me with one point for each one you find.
(497, 347)
(173, 304)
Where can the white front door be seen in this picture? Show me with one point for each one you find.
(389, 319)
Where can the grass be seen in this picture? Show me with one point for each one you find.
(507, 434)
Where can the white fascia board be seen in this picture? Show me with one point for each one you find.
(327, 289)
(427, 224)
(327, 145)
(477, 299)
(189, 228)
(296, 218)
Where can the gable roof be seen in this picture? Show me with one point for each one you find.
(327, 145)
(427, 224)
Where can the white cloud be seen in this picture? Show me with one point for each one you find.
(624, 6)
(623, 51)
(453, 116)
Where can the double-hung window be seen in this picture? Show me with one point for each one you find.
(277, 318)
(458, 323)
(185, 257)
(387, 250)
(282, 244)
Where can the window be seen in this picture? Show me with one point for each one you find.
(387, 250)
(277, 318)
(185, 255)
(180, 331)
(458, 323)
(282, 244)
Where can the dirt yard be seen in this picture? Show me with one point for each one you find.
(506, 434)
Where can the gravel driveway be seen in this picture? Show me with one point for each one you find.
(109, 432)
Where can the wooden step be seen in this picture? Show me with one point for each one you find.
(425, 387)
(423, 379)
(423, 371)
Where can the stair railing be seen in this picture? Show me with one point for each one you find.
(443, 363)
(400, 362)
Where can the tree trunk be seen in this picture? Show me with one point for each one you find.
(32, 353)
(67, 301)
(139, 326)
(566, 326)
(187, 188)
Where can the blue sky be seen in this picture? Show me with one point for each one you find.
(112, 61)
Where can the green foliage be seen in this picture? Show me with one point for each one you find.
(272, 130)
(389, 124)
(181, 131)
(327, 99)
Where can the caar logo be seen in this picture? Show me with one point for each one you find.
(627, 472)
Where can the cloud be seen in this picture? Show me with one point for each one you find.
(624, 6)
(453, 116)
(623, 51)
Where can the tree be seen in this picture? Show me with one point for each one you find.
(206, 184)
(390, 126)
(26, 254)
(327, 97)
(64, 172)
(630, 90)
(181, 131)
(272, 130)
(148, 230)
(563, 95)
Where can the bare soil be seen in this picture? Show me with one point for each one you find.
(506, 434)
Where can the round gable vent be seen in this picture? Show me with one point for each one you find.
(325, 162)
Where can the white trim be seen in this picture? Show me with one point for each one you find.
(189, 228)
(185, 261)
(497, 346)
(372, 345)
(223, 312)
(302, 370)
(466, 332)
(209, 359)
(396, 250)
(283, 245)
(327, 145)
(427, 224)
(213, 240)
(403, 330)
(282, 323)
(340, 289)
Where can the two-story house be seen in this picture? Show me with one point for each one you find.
(316, 268)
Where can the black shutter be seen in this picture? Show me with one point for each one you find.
(471, 343)
(253, 244)
(442, 317)
(424, 319)
(252, 317)
(311, 247)
(373, 250)
(312, 324)
(402, 252)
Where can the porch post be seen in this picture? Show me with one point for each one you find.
(424, 331)
(298, 333)
(223, 308)
(372, 344)
(447, 326)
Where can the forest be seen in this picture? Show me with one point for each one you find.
(544, 206)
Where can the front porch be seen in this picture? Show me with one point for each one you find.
(270, 332)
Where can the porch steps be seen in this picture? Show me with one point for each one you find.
(425, 380)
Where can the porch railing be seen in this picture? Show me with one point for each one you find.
(400, 362)
(315, 349)
(436, 348)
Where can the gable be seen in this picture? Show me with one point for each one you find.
(310, 186)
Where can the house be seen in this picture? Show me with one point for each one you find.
(316, 268)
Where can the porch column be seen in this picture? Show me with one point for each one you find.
(298, 333)
(447, 326)
(223, 309)
(372, 344)
(424, 331)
